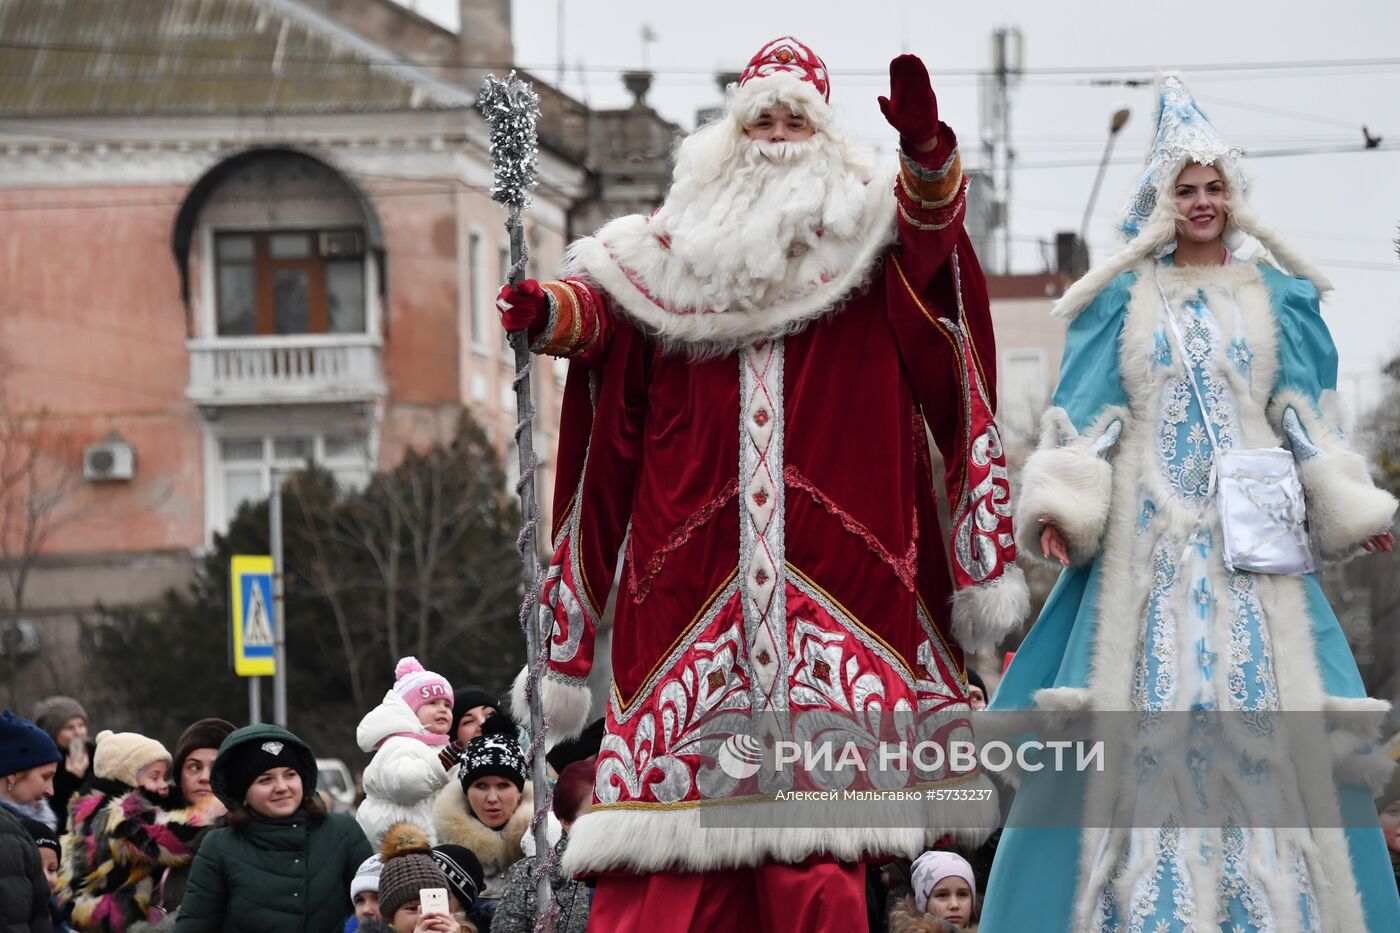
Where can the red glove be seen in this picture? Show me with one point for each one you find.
(911, 107)
(522, 305)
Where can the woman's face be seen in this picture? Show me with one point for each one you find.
(469, 726)
(1390, 825)
(28, 786)
(74, 728)
(155, 777)
(275, 794)
(493, 800)
(1200, 200)
(195, 774)
(778, 124)
(951, 900)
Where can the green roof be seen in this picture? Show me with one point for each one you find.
(189, 57)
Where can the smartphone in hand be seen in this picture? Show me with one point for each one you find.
(432, 901)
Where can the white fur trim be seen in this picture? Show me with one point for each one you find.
(744, 102)
(1064, 699)
(1344, 506)
(1159, 230)
(668, 311)
(1068, 484)
(654, 840)
(985, 614)
(566, 705)
(1243, 219)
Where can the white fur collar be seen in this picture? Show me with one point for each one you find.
(657, 292)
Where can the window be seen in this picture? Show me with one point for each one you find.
(290, 282)
(474, 284)
(503, 261)
(246, 464)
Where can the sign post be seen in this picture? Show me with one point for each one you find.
(254, 626)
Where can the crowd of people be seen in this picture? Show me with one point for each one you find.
(229, 833)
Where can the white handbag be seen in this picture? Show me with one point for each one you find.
(1263, 516)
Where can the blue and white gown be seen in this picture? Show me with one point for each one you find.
(1149, 619)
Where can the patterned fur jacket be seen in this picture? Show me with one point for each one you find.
(905, 917)
(118, 845)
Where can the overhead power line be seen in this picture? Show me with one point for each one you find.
(281, 61)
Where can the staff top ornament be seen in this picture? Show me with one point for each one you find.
(511, 109)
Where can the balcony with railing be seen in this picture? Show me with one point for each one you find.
(297, 368)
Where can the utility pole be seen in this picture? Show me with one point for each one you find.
(279, 613)
(1007, 58)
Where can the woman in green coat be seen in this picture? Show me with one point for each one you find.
(281, 864)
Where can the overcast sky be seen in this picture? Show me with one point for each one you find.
(1340, 209)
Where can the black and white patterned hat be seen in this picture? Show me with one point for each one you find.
(495, 752)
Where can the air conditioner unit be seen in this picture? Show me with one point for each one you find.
(340, 243)
(109, 460)
(19, 639)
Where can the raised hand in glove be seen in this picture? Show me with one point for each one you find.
(523, 305)
(450, 754)
(911, 107)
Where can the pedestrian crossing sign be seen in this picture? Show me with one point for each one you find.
(253, 621)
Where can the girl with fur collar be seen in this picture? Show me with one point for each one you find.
(413, 752)
(942, 898)
(1178, 349)
(489, 808)
(122, 843)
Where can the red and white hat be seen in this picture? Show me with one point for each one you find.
(789, 56)
(783, 71)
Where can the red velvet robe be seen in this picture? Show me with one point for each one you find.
(774, 511)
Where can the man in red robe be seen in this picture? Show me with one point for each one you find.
(754, 367)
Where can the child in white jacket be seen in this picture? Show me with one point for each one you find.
(408, 733)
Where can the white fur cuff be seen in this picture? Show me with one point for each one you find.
(1069, 487)
(566, 705)
(1344, 506)
(984, 615)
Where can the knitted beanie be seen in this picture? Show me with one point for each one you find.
(416, 686)
(366, 877)
(461, 867)
(495, 752)
(120, 756)
(43, 837)
(206, 733)
(52, 713)
(24, 745)
(932, 867)
(470, 697)
(408, 868)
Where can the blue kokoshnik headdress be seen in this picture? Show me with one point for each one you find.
(1183, 135)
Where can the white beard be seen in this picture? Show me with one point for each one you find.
(770, 223)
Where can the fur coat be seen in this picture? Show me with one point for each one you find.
(905, 917)
(496, 849)
(118, 846)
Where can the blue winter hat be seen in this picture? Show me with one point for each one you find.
(24, 745)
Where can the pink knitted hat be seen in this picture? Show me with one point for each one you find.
(417, 686)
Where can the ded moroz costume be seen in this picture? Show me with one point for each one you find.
(1225, 819)
(754, 369)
